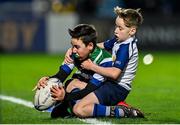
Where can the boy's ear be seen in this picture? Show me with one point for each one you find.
(132, 31)
(90, 46)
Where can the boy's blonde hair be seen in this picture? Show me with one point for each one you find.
(131, 17)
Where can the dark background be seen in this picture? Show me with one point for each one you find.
(160, 30)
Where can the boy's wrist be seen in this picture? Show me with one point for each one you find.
(94, 67)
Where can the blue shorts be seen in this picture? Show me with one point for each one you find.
(111, 93)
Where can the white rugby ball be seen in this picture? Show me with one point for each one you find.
(42, 98)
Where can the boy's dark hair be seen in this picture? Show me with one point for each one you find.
(131, 17)
(87, 33)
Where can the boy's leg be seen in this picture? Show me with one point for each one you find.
(60, 110)
(63, 109)
(89, 106)
(76, 83)
(117, 111)
(84, 107)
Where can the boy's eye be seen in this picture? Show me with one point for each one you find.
(76, 46)
(120, 28)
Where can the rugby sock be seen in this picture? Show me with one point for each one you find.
(100, 110)
(113, 111)
(73, 102)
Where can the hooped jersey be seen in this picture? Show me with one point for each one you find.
(100, 57)
(125, 57)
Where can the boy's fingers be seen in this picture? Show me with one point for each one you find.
(60, 87)
(54, 89)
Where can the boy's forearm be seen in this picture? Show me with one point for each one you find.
(110, 72)
(61, 75)
(82, 93)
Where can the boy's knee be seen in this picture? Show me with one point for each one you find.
(70, 85)
(78, 110)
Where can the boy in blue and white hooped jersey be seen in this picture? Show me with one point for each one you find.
(125, 57)
(103, 101)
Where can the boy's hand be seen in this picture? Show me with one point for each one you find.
(42, 82)
(68, 58)
(87, 64)
(58, 93)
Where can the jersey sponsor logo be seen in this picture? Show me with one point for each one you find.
(118, 62)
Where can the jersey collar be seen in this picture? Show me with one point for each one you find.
(128, 40)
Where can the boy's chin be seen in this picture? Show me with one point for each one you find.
(117, 38)
(80, 58)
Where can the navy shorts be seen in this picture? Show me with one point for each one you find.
(111, 93)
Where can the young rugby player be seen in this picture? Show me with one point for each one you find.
(83, 81)
(102, 102)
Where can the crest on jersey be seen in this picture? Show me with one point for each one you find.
(113, 58)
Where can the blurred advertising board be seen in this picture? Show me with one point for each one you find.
(160, 32)
(22, 32)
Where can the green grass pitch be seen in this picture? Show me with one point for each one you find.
(156, 88)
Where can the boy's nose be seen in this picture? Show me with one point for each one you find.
(74, 50)
(115, 31)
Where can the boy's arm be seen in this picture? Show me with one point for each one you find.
(80, 94)
(64, 72)
(122, 58)
(108, 44)
(95, 82)
(61, 75)
(110, 72)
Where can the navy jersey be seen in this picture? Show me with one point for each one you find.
(125, 57)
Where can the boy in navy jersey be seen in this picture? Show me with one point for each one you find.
(103, 101)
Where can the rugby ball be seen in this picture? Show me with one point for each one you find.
(42, 98)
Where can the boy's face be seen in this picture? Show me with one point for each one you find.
(81, 49)
(122, 32)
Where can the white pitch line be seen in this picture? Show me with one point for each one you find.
(95, 121)
(17, 101)
(30, 105)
